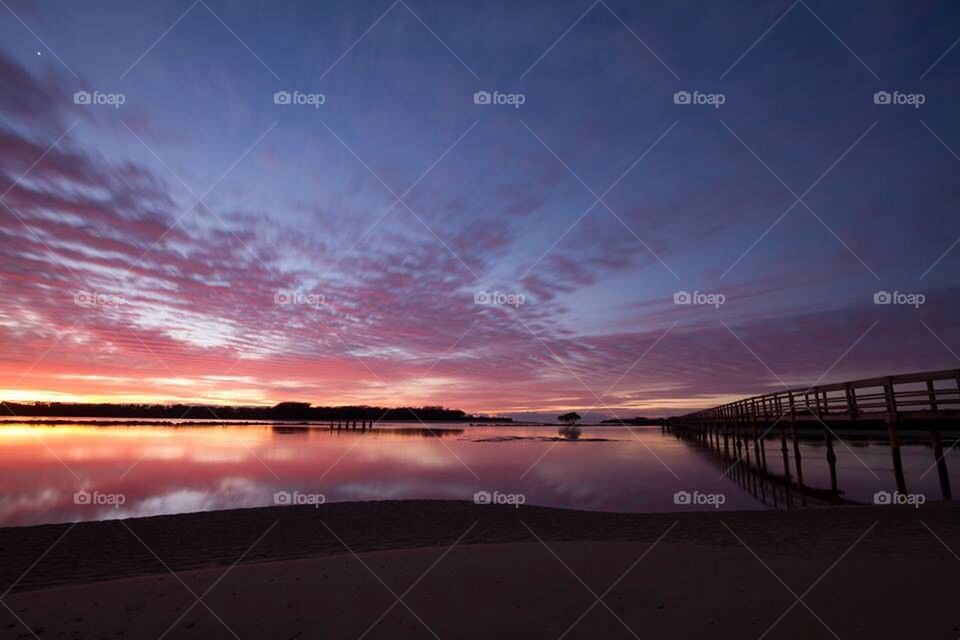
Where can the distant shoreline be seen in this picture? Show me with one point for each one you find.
(283, 411)
(106, 421)
(189, 422)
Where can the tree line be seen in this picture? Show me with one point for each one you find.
(282, 411)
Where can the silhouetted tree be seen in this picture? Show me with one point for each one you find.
(570, 419)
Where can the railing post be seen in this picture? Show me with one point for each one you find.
(851, 401)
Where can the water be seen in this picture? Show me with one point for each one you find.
(137, 470)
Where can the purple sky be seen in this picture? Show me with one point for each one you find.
(338, 251)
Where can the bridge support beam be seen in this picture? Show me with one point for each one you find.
(726, 441)
(937, 446)
(796, 450)
(785, 452)
(894, 436)
(831, 460)
(941, 464)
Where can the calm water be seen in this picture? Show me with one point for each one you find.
(164, 469)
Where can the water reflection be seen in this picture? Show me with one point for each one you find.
(290, 430)
(185, 468)
(780, 478)
(570, 433)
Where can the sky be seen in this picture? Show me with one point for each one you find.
(496, 206)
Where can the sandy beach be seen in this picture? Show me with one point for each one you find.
(457, 570)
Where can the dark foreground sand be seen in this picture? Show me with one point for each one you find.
(515, 573)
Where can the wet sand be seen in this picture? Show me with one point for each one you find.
(336, 572)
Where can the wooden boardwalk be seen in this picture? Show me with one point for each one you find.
(928, 401)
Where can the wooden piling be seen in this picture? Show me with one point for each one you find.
(785, 452)
(742, 436)
(763, 451)
(796, 449)
(726, 441)
(937, 446)
(831, 460)
(941, 464)
(894, 435)
(756, 441)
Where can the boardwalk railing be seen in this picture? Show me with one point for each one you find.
(931, 395)
(929, 399)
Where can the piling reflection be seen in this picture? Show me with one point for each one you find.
(741, 454)
(743, 460)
